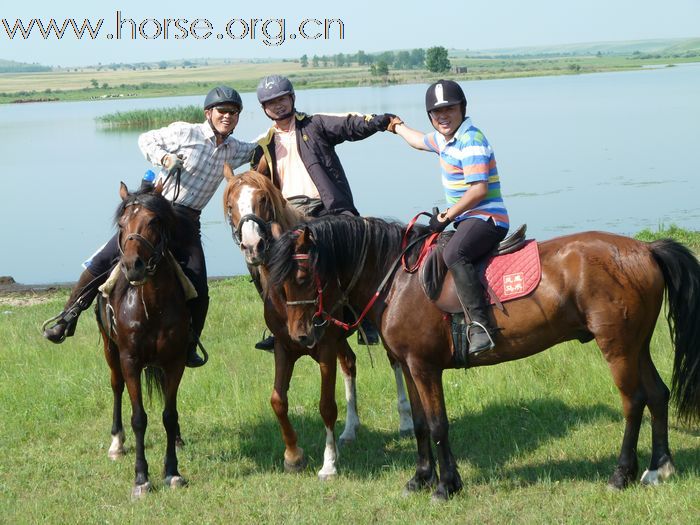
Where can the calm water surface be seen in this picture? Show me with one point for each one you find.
(609, 151)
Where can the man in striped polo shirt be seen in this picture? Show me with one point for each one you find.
(473, 194)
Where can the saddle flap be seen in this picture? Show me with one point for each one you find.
(508, 276)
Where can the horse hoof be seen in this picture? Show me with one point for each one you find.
(439, 496)
(114, 455)
(179, 442)
(175, 482)
(139, 491)
(327, 476)
(661, 474)
(344, 441)
(116, 448)
(296, 467)
(621, 478)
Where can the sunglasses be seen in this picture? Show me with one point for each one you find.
(228, 111)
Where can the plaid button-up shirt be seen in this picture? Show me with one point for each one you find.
(203, 160)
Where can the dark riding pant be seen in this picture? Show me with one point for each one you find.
(473, 239)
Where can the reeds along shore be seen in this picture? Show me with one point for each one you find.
(151, 118)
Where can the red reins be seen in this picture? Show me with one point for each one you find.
(423, 251)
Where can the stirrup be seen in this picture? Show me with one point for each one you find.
(488, 334)
(69, 318)
(203, 361)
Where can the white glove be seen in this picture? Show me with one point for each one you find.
(171, 162)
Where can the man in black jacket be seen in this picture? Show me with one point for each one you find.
(299, 149)
(298, 154)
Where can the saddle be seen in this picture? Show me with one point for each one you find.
(510, 271)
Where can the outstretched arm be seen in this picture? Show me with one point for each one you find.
(412, 136)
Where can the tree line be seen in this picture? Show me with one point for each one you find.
(434, 59)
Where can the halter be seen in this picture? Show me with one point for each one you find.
(157, 252)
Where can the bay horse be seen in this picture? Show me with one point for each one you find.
(255, 208)
(594, 286)
(144, 324)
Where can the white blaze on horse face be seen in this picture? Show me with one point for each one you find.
(250, 232)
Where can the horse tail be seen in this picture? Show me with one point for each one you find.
(681, 272)
(155, 380)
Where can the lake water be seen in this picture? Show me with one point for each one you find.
(608, 151)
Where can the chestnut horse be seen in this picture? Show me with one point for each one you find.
(594, 286)
(144, 324)
(255, 208)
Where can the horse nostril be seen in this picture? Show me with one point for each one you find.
(244, 246)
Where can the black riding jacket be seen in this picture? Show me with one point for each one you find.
(317, 136)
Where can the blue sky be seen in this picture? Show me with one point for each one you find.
(368, 25)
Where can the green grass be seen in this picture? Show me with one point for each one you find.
(535, 440)
(687, 237)
(151, 118)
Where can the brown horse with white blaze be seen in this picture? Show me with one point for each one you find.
(594, 286)
(145, 325)
(256, 210)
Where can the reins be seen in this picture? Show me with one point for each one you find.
(327, 317)
(424, 250)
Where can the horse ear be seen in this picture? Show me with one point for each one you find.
(262, 166)
(304, 239)
(276, 230)
(228, 172)
(159, 187)
(123, 191)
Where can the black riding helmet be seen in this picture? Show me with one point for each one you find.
(274, 86)
(445, 93)
(221, 95)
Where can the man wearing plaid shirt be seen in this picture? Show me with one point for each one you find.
(199, 151)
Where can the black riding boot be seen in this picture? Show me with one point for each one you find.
(266, 343)
(198, 311)
(81, 297)
(471, 295)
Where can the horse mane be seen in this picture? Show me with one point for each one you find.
(286, 216)
(178, 225)
(336, 246)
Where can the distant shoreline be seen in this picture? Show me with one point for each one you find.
(85, 85)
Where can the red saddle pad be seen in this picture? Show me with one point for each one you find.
(515, 274)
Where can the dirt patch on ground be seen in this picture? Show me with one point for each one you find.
(16, 294)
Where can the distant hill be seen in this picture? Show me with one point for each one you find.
(10, 66)
(656, 46)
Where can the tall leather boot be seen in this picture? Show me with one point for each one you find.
(198, 311)
(471, 295)
(81, 297)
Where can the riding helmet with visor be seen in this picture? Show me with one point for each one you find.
(274, 86)
(222, 95)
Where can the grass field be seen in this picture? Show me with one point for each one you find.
(94, 83)
(535, 440)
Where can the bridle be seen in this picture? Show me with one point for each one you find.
(157, 252)
(265, 227)
(322, 317)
